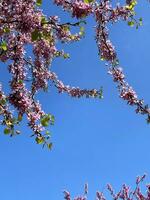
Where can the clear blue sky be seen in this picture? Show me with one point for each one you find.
(95, 141)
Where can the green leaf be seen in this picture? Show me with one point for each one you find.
(101, 93)
(39, 140)
(19, 117)
(6, 30)
(88, 1)
(131, 23)
(148, 120)
(66, 55)
(4, 46)
(20, 81)
(102, 58)
(38, 2)
(7, 131)
(43, 20)
(36, 35)
(44, 122)
(140, 21)
(49, 145)
(52, 119)
(66, 28)
(47, 135)
(3, 101)
(82, 28)
(46, 119)
(14, 120)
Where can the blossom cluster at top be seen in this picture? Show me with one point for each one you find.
(22, 25)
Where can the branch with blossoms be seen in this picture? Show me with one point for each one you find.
(105, 14)
(125, 193)
(23, 23)
(107, 52)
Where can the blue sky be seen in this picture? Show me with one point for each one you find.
(95, 141)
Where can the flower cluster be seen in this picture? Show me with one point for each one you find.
(81, 9)
(125, 193)
(22, 24)
(105, 14)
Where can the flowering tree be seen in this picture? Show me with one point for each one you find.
(23, 23)
(125, 193)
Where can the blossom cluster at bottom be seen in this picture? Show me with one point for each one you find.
(125, 193)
